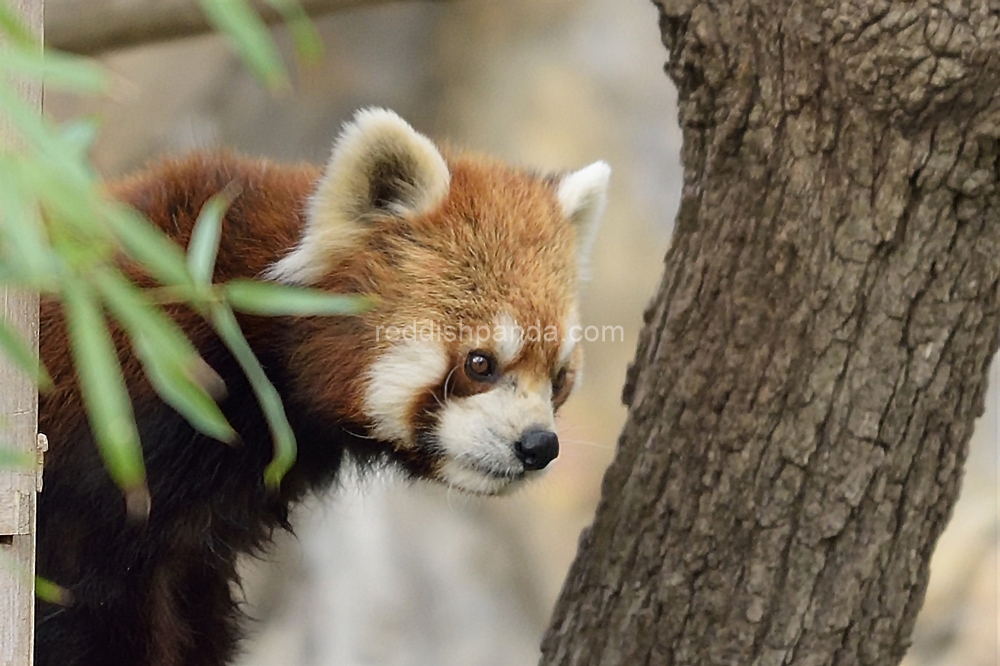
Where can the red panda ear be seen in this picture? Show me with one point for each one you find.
(379, 166)
(582, 197)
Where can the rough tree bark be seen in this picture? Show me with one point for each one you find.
(807, 380)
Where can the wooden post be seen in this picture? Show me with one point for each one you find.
(18, 429)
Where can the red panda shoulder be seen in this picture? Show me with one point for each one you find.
(265, 217)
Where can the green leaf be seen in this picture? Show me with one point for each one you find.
(108, 405)
(271, 298)
(25, 248)
(14, 459)
(176, 386)
(79, 135)
(82, 216)
(249, 36)
(149, 246)
(171, 362)
(13, 26)
(38, 133)
(308, 43)
(65, 185)
(17, 350)
(75, 213)
(55, 69)
(48, 591)
(228, 329)
(204, 245)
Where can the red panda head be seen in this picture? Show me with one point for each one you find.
(471, 347)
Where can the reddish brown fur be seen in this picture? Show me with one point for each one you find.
(498, 243)
(263, 222)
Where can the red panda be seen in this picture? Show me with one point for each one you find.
(454, 375)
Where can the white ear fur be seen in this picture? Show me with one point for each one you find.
(379, 166)
(582, 196)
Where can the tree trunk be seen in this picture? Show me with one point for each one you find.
(806, 384)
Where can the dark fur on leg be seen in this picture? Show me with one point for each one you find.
(159, 593)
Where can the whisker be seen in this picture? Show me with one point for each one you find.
(596, 445)
(454, 497)
(437, 399)
(446, 380)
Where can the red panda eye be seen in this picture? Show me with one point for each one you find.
(480, 366)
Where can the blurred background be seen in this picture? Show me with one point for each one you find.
(384, 572)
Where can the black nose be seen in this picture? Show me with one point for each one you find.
(537, 448)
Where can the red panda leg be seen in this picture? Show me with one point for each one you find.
(192, 619)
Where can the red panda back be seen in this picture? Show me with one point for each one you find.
(262, 223)
(266, 216)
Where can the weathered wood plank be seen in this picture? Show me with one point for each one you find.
(18, 428)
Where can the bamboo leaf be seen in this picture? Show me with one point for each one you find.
(180, 391)
(75, 213)
(249, 36)
(271, 298)
(68, 192)
(12, 25)
(149, 246)
(38, 133)
(308, 43)
(108, 405)
(171, 362)
(204, 245)
(25, 247)
(18, 352)
(228, 329)
(55, 69)
(79, 135)
(48, 591)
